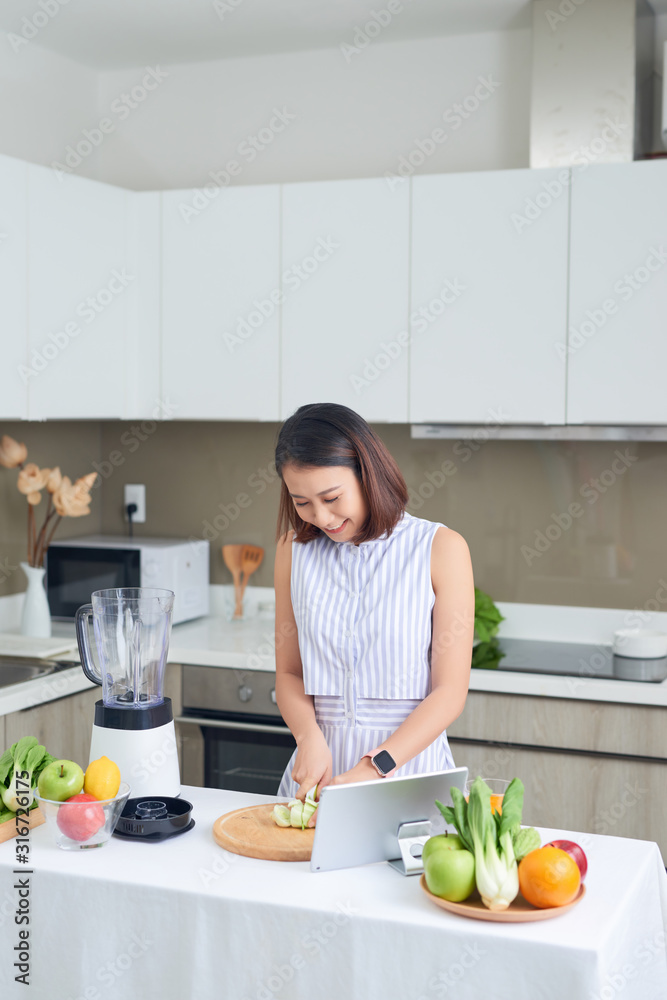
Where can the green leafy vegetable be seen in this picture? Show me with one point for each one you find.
(525, 841)
(27, 754)
(491, 836)
(487, 616)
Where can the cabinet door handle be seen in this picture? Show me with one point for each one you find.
(252, 727)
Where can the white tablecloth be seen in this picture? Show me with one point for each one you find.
(184, 919)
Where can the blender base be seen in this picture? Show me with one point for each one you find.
(147, 758)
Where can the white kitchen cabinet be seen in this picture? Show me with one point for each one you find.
(77, 292)
(617, 349)
(489, 297)
(345, 282)
(143, 396)
(220, 295)
(13, 288)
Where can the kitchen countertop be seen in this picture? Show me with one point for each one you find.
(249, 645)
(185, 918)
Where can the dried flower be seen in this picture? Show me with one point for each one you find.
(32, 478)
(54, 480)
(34, 498)
(11, 452)
(72, 499)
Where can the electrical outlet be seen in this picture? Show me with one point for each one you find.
(135, 493)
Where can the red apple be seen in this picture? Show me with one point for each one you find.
(79, 822)
(575, 852)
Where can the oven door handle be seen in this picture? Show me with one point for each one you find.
(250, 727)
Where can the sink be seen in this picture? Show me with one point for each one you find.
(17, 671)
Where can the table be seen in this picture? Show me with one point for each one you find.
(184, 919)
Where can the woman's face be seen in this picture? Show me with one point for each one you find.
(330, 497)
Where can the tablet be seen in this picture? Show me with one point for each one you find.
(358, 823)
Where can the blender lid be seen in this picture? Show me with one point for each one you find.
(154, 817)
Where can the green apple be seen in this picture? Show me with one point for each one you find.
(450, 874)
(60, 780)
(443, 842)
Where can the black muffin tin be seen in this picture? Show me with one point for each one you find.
(154, 817)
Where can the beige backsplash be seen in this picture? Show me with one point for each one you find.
(215, 480)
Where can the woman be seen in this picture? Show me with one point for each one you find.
(374, 610)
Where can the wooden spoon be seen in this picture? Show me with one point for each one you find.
(251, 559)
(232, 554)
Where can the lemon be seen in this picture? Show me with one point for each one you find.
(102, 779)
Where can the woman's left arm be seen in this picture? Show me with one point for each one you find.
(451, 655)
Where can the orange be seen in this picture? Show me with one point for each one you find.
(496, 804)
(549, 877)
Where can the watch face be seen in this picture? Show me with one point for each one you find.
(384, 761)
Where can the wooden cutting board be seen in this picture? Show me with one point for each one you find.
(8, 829)
(252, 833)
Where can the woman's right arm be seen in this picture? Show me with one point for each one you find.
(312, 765)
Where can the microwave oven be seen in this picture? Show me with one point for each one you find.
(78, 566)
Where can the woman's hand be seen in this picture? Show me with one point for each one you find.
(313, 763)
(363, 771)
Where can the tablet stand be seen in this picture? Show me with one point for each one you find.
(411, 839)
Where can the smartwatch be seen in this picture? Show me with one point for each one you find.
(382, 761)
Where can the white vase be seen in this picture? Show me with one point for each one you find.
(36, 617)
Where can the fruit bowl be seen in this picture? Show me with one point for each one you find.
(86, 823)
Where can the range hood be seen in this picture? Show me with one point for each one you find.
(592, 62)
(536, 432)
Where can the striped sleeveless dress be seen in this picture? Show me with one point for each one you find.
(363, 614)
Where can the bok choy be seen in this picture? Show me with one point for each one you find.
(491, 838)
(20, 767)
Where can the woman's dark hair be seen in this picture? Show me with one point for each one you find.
(322, 434)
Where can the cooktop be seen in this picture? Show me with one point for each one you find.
(567, 659)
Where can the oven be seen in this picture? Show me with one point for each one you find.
(245, 745)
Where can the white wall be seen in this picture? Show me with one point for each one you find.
(353, 119)
(45, 100)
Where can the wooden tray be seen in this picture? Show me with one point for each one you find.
(252, 833)
(519, 911)
(8, 830)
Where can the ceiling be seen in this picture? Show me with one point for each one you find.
(108, 34)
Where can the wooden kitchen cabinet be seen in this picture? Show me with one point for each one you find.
(617, 351)
(13, 287)
(588, 766)
(63, 726)
(345, 282)
(220, 302)
(78, 278)
(489, 297)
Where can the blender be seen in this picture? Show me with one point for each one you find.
(134, 722)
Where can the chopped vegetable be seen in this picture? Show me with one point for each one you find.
(296, 813)
(491, 837)
(27, 758)
(281, 815)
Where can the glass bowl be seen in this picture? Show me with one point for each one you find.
(78, 826)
